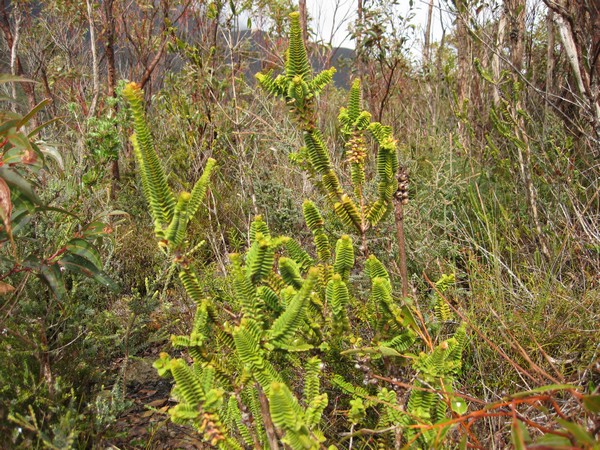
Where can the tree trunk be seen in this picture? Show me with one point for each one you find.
(303, 21)
(95, 69)
(499, 44)
(427, 45)
(5, 25)
(515, 12)
(359, 56)
(109, 47)
(549, 65)
(463, 49)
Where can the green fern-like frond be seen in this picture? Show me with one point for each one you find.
(299, 255)
(290, 272)
(274, 86)
(457, 346)
(297, 62)
(348, 213)
(362, 121)
(315, 409)
(200, 327)
(245, 289)
(375, 269)
(349, 388)
(286, 325)
(381, 133)
(287, 414)
(354, 101)
(401, 343)
(200, 188)
(391, 414)
(258, 225)
(377, 211)
(259, 259)
(188, 384)
(344, 257)
(175, 233)
(317, 152)
(250, 353)
(312, 379)
(312, 216)
(338, 297)
(321, 80)
(332, 186)
(191, 284)
(233, 419)
(315, 223)
(154, 181)
(269, 298)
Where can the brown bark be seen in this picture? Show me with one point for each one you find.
(515, 12)
(359, 50)
(426, 47)
(400, 199)
(496, 57)
(463, 49)
(303, 21)
(109, 46)
(95, 68)
(578, 26)
(549, 64)
(5, 25)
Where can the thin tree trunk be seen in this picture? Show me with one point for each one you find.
(549, 65)
(567, 23)
(95, 69)
(109, 32)
(401, 199)
(464, 50)
(427, 46)
(109, 50)
(28, 88)
(496, 57)
(359, 56)
(13, 56)
(515, 11)
(303, 21)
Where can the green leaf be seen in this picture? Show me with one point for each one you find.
(592, 403)
(86, 250)
(33, 112)
(81, 265)
(547, 388)
(40, 127)
(459, 405)
(519, 435)
(14, 179)
(580, 433)
(52, 276)
(552, 440)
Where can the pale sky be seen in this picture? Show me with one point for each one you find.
(336, 15)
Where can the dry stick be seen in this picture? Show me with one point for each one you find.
(400, 199)
(399, 216)
(485, 413)
(266, 416)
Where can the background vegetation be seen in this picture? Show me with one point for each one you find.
(497, 125)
